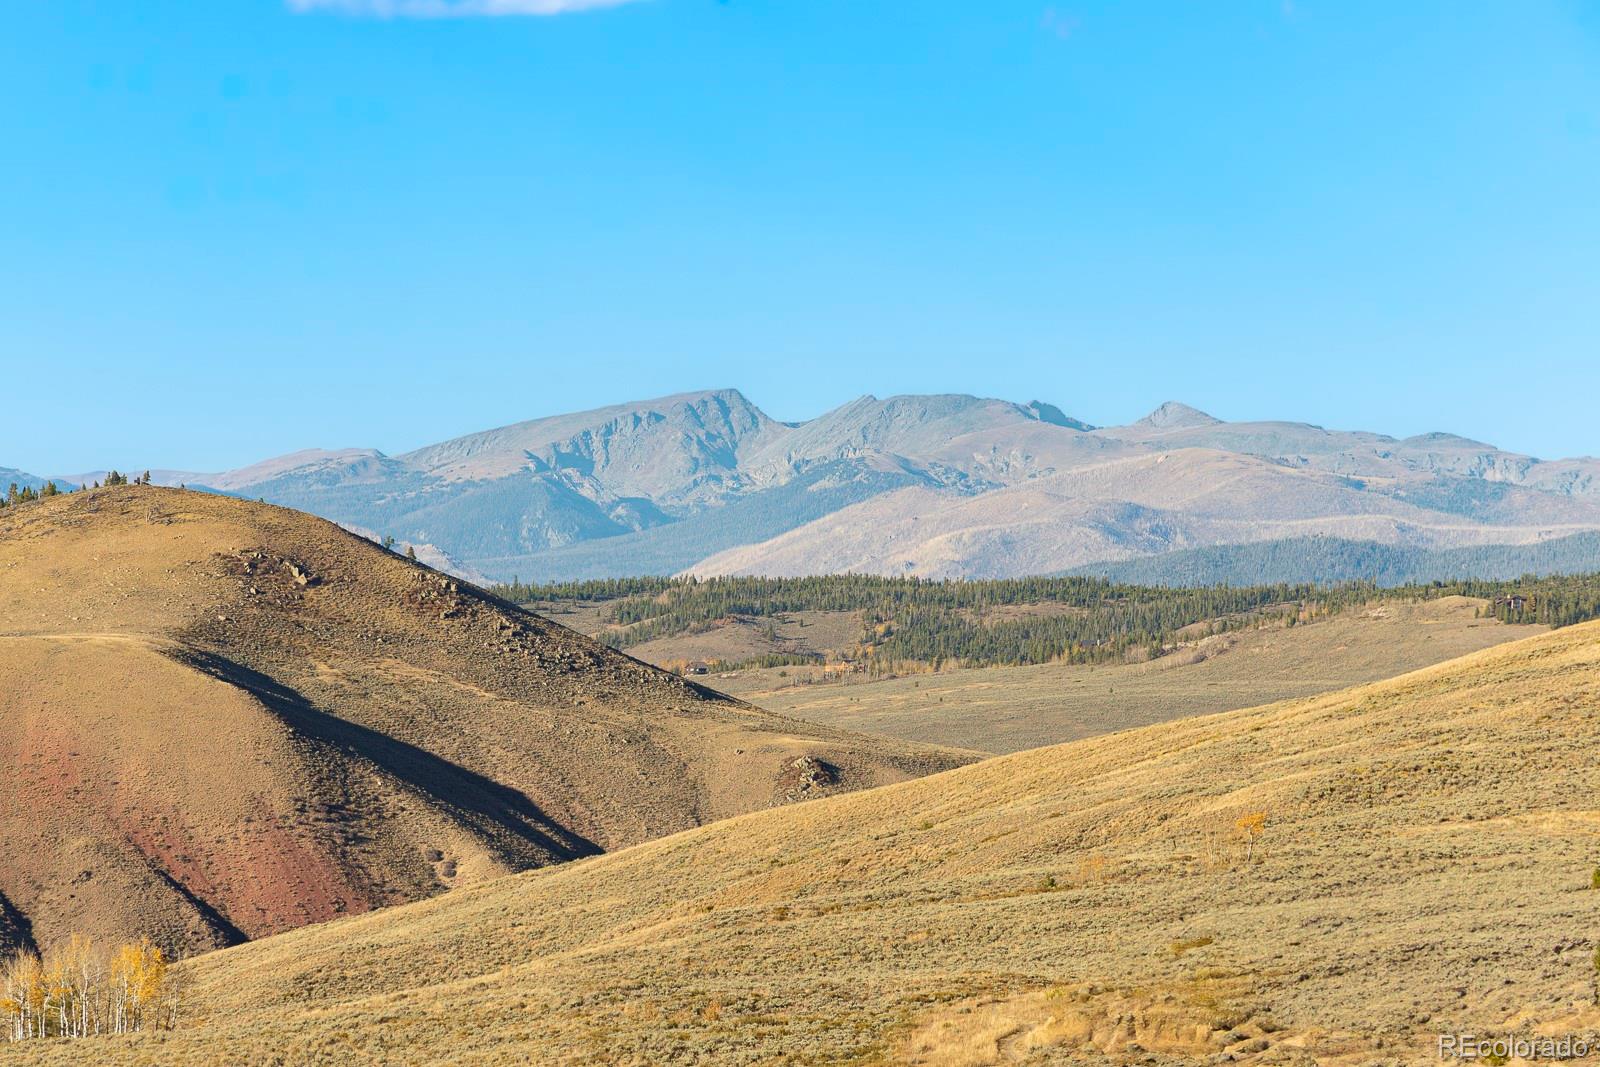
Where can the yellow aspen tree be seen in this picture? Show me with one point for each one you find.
(14, 999)
(1252, 825)
(119, 988)
(26, 996)
(38, 994)
(77, 991)
(73, 974)
(58, 992)
(150, 979)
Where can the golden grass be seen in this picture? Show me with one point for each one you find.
(1424, 867)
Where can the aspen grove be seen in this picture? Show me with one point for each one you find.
(80, 990)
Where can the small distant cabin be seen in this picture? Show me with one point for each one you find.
(699, 666)
(1516, 602)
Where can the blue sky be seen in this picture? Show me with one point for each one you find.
(237, 228)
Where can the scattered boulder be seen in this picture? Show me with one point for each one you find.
(805, 776)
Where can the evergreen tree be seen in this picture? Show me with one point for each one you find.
(1085, 620)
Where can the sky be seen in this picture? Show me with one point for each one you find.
(240, 228)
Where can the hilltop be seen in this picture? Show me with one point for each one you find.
(937, 486)
(226, 719)
(1332, 880)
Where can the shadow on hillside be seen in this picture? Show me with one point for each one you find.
(477, 800)
(16, 929)
(227, 933)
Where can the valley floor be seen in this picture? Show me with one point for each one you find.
(1007, 709)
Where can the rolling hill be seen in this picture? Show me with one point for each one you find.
(1335, 880)
(939, 486)
(224, 719)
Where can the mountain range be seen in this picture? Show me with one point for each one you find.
(23, 480)
(941, 486)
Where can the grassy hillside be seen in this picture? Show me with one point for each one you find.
(225, 719)
(1333, 880)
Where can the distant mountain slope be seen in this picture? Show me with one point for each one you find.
(1173, 416)
(223, 719)
(1333, 880)
(1330, 559)
(672, 449)
(706, 480)
(9, 476)
(544, 497)
(1145, 504)
(1361, 454)
(819, 490)
(914, 428)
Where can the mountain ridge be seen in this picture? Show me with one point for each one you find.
(700, 480)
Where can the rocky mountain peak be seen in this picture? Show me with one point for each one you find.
(1173, 415)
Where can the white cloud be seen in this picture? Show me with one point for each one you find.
(449, 9)
(1057, 24)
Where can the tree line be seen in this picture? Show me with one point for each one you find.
(81, 990)
(1094, 620)
(24, 494)
(1332, 559)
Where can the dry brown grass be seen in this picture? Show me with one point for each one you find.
(1425, 867)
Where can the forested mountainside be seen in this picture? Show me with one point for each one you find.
(1331, 559)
